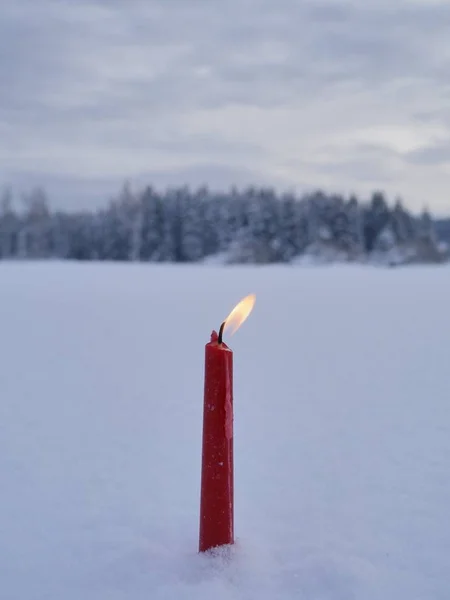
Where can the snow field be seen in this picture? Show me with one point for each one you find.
(342, 432)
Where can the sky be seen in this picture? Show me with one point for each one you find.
(345, 96)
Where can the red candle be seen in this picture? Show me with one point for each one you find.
(217, 486)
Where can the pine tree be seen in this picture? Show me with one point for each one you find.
(36, 227)
(403, 224)
(215, 225)
(152, 225)
(376, 217)
(131, 210)
(60, 236)
(339, 223)
(290, 225)
(263, 222)
(191, 220)
(355, 227)
(8, 225)
(426, 227)
(315, 210)
(428, 247)
(85, 239)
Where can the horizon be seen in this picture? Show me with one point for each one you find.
(19, 199)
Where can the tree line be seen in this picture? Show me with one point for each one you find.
(252, 225)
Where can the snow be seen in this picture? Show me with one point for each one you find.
(342, 432)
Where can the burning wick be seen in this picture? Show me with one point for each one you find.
(237, 316)
(222, 327)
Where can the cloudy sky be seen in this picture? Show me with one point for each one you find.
(349, 96)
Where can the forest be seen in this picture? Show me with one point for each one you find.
(253, 225)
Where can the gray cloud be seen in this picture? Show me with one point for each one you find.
(288, 92)
(366, 163)
(438, 154)
(83, 193)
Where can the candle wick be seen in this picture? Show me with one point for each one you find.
(219, 339)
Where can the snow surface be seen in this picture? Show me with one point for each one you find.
(342, 432)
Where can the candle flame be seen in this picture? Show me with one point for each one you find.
(239, 313)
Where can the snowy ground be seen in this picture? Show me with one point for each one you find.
(342, 432)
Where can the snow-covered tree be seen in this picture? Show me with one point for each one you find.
(403, 224)
(292, 231)
(152, 208)
(9, 225)
(191, 209)
(428, 247)
(376, 217)
(35, 232)
(255, 225)
(132, 215)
